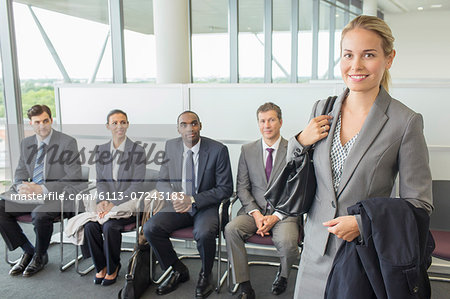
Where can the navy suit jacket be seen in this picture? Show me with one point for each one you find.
(130, 176)
(214, 179)
(392, 260)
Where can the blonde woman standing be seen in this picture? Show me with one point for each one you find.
(366, 141)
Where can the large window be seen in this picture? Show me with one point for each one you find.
(139, 42)
(64, 43)
(281, 41)
(75, 43)
(251, 41)
(210, 43)
(340, 24)
(304, 40)
(2, 136)
(324, 39)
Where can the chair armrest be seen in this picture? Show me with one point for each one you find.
(91, 186)
(222, 204)
(233, 199)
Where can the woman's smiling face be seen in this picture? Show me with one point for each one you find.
(362, 60)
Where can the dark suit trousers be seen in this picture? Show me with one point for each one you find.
(42, 220)
(157, 231)
(105, 251)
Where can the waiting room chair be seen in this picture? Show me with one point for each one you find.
(263, 242)
(27, 219)
(440, 224)
(186, 234)
(151, 177)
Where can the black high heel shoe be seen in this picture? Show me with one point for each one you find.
(108, 282)
(98, 280)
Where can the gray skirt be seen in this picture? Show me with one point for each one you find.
(314, 268)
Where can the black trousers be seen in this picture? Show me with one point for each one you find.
(105, 250)
(42, 220)
(157, 231)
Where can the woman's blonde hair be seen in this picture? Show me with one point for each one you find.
(380, 27)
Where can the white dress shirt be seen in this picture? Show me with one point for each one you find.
(274, 155)
(115, 157)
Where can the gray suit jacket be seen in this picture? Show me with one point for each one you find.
(390, 142)
(62, 164)
(130, 175)
(214, 172)
(251, 178)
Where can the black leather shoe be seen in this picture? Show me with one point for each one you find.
(247, 295)
(37, 264)
(279, 285)
(171, 283)
(204, 287)
(18, 268)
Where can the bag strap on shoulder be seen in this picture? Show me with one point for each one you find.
(326, 109)
(329, 105)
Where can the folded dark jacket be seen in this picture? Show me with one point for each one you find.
(392, 260)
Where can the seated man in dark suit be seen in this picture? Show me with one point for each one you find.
(260, 163)
(197, 175)
(49, 161)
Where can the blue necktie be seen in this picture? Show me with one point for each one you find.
(38, 171)
(190, 173)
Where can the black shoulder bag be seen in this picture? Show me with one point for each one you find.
(137, 279)
(293, 191)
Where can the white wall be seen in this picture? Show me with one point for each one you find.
(227, 111)
(422, 41)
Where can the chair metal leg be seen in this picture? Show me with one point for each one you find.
(221, 280)
(136, 244)
(437, 278)
(220, 277)
(152, 271)
(63, 267)
(231, 287)
(77, 269)
(164, 275)
(12, 263)
(219, 262)
(439, 271)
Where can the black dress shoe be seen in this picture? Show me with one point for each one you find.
(247, 295)
(171, 283)
(18, 268)
(108, 282)
(37, 264)
(204, 286)
(279, 285)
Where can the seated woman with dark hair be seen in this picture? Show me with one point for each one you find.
(120, 166)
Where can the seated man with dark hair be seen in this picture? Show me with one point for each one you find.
(260, 163)
(49, 161)
(197, 176)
